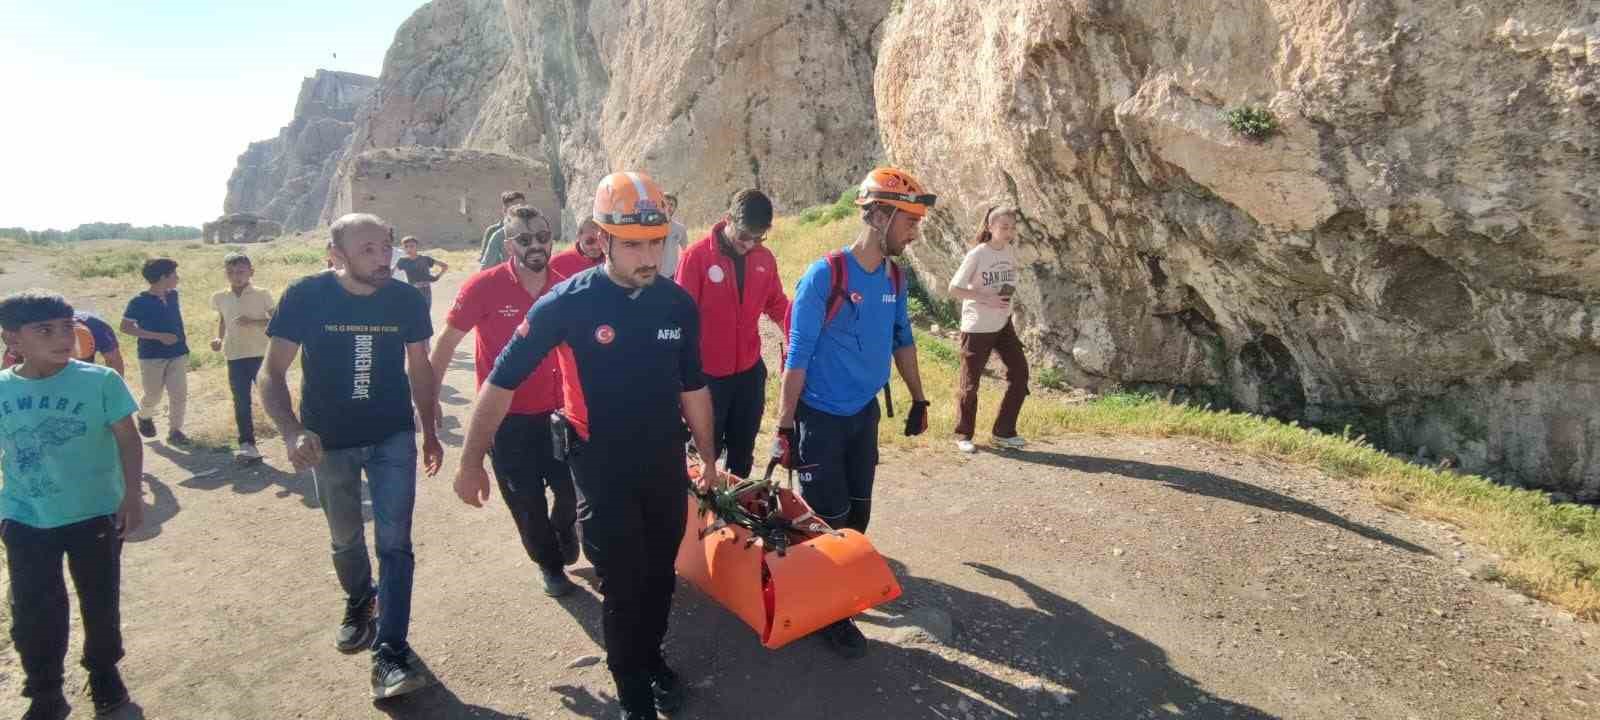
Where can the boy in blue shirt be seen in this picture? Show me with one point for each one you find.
(841, 340)
(72, 462)
(156, 319)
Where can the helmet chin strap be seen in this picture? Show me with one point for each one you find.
(883, 236)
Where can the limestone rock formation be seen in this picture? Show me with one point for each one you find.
(1413, 254)
(445, 197)
(286, 178)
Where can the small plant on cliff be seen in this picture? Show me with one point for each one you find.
(1052, 378)
(1251, 122)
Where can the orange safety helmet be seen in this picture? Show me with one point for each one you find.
(629, 205)
(895, 187)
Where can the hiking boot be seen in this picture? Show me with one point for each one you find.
(668, 689)
(965, 445)
(147, 427)
(248, 452)
(845, 639)
(51, 706)
(176, 437)
(1015, 442)
(358, 628)
(556, 582)
(395, 672)
(570, 546)
(107, 691)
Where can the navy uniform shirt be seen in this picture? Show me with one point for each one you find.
(626, 356)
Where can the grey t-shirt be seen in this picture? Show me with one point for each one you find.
(985, 268)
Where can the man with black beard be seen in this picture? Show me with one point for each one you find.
(494, 302)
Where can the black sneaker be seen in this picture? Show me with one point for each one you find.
(107, 691)
(358, 629)
(846, 639)
(147, 427)
(395, 672)
(176, 437)
(556, 582)
(48, 707)
(668, 689)
(628, 715)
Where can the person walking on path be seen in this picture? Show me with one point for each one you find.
(848, 320)
(493, 303)
(629, 350)
(419, 269)
(156, 319)
(72, 463)
(493, 252)
(677, 240)
(361, 339)
(733, 279)
(586, 252)
(243, 311)
(985, 283)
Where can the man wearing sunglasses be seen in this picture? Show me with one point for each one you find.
(493, 302)
(586, 252)
(733, 278)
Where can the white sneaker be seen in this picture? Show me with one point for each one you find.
(248, 451)
(1014, 442)
(966, 446)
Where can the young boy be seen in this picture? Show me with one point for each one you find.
(156, 320)
(72, 464)
(243, 311)
(419, 269)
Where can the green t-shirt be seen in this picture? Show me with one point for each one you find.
(494, 247)
(57, 452)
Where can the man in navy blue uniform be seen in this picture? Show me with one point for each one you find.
(629, 351)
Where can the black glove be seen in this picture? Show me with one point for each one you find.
(917, 419)
(783, 448)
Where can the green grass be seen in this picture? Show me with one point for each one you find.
(1549, 550)
(1251, 122)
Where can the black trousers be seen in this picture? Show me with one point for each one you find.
(837, 463)
(738, 401)
(241, 379)
(38, 599)
(632, 510)
(524, 466)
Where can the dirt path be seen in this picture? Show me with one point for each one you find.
(1090, 577)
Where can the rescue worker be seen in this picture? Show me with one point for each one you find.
(733, 278)
(494, 302)
(848, 319)
(585, 252)
(629, 350)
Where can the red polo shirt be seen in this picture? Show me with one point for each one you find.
(494, 303)
(570, 262)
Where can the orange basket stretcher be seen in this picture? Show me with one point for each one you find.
(823, 576)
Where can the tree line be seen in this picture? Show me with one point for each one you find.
(103, 231)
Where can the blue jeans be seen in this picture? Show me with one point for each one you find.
(391, 467)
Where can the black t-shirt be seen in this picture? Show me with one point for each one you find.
(627, 355)
(418, 269)
(354, 391)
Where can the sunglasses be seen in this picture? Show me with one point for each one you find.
(648, 218)
(928, 200)
(528, 239)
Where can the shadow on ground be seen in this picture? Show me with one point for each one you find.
(214, 470)
(438, 703)
(1209, 485)
(163, 506)
(1079, 665)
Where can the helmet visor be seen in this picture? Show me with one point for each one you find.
(648, 218)
(925, 199)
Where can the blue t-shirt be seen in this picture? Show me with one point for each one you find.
(153, 315)
(60, 459)
(846, 360)
(627, 355)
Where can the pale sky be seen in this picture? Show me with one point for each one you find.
(136, 110)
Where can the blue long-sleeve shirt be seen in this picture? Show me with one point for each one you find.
(848, 359)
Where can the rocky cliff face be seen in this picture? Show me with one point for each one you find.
(286, 178)
(1413, 254)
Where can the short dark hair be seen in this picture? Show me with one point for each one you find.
(750, 209)
(512, 196)
(671, 198)
(526, 213)
(232, 259)
(31, 306)
(156, 268)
